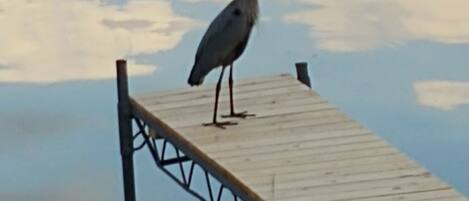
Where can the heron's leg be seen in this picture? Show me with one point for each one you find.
(217, 94)
(232, 112)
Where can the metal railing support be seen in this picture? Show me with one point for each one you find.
(125, 130)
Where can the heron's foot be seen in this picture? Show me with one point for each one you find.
(221, 125)
(242, 115)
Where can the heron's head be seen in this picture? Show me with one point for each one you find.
(195, 83)
(195, 78)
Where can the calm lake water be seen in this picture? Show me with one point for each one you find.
(399, 67)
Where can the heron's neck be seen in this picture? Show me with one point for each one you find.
(252, 8)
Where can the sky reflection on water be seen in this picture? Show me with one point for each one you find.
(399, 67)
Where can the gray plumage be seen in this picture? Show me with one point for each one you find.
(225, 39)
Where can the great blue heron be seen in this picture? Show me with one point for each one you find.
(223, 43)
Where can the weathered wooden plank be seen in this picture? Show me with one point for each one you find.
(260, 111)
(336, 172)
(268, 119)
(194, 101)
(235, 143)
(329, 145)
(305, 159)
(197, 122)
(206, 94)
(320, 145)
(326, 165)
(310, 141)
(435, 195)
(209, 87)
(204, 98)
(370, 192)
(285, 185)
(319, 150)
(357, 182)
(322, 123)
(239, 103)
(458, 198)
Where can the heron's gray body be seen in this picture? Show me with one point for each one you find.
(225, 39)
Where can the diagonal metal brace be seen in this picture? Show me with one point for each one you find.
(175, 160)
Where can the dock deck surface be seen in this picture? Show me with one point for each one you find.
(297, 147)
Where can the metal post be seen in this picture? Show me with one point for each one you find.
(302, 73)
(125, 130)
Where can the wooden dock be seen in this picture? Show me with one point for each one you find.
(297, 147)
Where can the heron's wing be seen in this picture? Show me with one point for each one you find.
(223, 35)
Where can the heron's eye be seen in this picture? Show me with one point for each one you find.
(237, 12)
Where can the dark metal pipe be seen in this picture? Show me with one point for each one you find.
(302, 73)
(125, 130)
